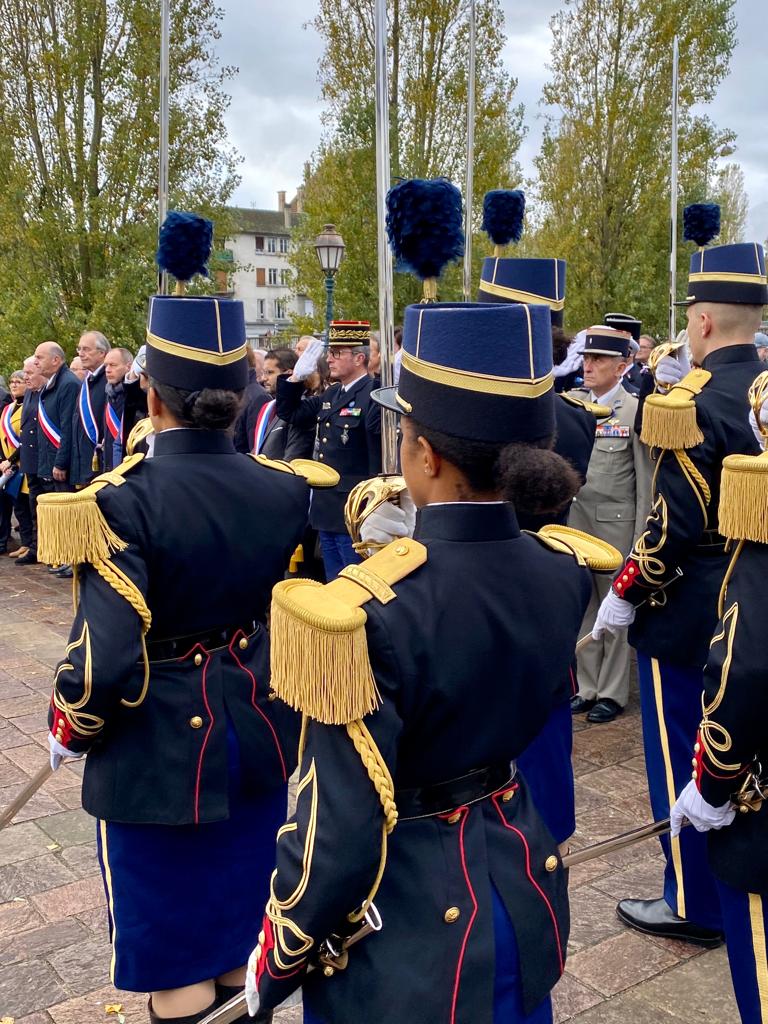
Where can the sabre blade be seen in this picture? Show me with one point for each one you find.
(621, 842)
(25, 795)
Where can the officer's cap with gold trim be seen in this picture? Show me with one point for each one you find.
(607, 341)
(193, 342)
(624, 322)
(349, 333)
(509, 279)
(478, 371)
(728, 273)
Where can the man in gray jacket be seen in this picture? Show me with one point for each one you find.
(613, 505)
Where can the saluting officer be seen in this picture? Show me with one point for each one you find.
(165, 681)
(417, 706)
(667, 591)
(613, 505)
(348, 429)
(731, 749)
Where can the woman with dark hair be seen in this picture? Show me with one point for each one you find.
(417, 706)
(164, 683)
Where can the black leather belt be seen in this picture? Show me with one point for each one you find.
(427, 801)
(177, 647)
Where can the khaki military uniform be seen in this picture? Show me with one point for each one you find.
(613, 505)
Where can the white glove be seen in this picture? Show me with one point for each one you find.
(60, 753)
(672, 369)
(251, 992)
(614, 614)
(389, 521)
(762, 440)
(307, 362)
(703, 816)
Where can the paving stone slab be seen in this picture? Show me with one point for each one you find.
(68, 900)
(570, 997)
(41, 805)
(29, 986)
(27, 877)
(81, 860)
(37, 943)
(701, 987)
(84, 966)
(19, 842)
(70, 828)
(90, 1009)
(619, 963)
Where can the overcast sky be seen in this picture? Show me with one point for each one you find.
(274, 119)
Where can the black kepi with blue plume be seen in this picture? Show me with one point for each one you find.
(722, 273)
(193, 342)
(424, 228)
(516, 279)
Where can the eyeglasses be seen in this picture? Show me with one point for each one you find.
(337, 353)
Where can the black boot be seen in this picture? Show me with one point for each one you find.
(226, 992)
(193, 1018)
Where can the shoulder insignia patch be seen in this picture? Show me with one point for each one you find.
(669, 421)
(72, 528)
(597, 555)
(319, 651)
(597, 410)
(317, 474)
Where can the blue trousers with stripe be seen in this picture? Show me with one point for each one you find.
(744, 918)
(670, 697)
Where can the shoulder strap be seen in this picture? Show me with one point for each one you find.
(592, 552)
(669, 421)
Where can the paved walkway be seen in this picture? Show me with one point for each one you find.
(54, 953)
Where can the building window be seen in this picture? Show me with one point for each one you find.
(261, 308)
(285, 278)
(280, 309)
(273, 275)
(259, 243)
(260, 277)
(271, 245)
(283, 244)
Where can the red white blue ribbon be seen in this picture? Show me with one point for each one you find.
(47, 425)
(14, 439)
(266, 416)
(90, 426)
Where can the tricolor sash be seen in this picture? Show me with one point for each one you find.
(115, 428)
(265, 419)
(87, 418)
(13, 439)
(47, 425)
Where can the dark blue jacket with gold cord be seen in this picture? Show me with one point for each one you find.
(703, 419)
(178, 555)
(463, 677)
(733, 736)
(348, 438)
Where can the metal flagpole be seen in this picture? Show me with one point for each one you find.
(673, 199)
(162, 182)
(469, 176)
(386, 312)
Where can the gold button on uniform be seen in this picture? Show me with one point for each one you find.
(196, 722)
(271, 695)
(243, 643)
(697, 747)
(198, 659)
(401, 549)
(454, 818)
(508, 795)
(452, 914)
(551, 863)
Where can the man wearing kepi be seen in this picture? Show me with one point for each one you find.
(667, 591)
(164, 683)
(731, 748)
(613, 504)
(417, 706)
(348, 428)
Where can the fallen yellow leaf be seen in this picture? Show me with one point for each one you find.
(109, 1008)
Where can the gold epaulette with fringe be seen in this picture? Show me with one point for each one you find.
(320, 663)
(140, 432)
(317, 474)
(71, 527)
(600, 412)
(743, 511)
(669, 421)
(591, 552)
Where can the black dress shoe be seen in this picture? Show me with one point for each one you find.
(64, 573)
(580, 704)
(654, 917)
(29, 559)
(605, 710)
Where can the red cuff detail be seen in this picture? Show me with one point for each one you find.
(266, 947)
(698, 761)
(629, 575)
(61, 729)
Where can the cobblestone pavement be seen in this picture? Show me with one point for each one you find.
(54, 954)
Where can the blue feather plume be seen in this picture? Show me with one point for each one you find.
(503, 215)
(424, 225)
(184, 246)
(701, 222)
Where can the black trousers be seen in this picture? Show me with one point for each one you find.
(23, 511)
(36, 488)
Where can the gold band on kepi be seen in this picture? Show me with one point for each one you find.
(728, 273)
(607, 341)
(477, 370)
(513, 279)
(348, 333)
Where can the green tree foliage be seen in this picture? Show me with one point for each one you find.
(79, 99)
(604, 165)
(734, 205)
(428, 54)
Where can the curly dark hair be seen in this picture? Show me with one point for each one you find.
(209, 409)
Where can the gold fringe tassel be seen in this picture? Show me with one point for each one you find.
(743, 510)
(319, 654)
(71, 529)
(669, 421)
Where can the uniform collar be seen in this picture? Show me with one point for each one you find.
(186, 441)
(468, 521)
(614, 398)
(731, 354)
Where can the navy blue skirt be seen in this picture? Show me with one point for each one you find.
(186, 902)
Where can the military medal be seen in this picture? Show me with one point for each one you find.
(345, 434)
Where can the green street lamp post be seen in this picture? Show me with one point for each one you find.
(329, 246)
